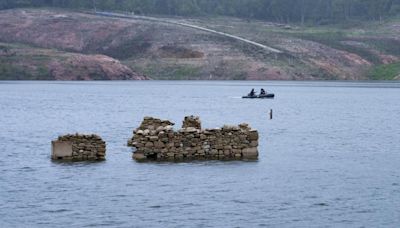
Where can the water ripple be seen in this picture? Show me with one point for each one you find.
(329, 158)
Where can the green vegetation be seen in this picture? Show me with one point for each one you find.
(20, 62)
(43, 72)
(239, 76)
(12, 71)
(170, 72)
(385, 72)
(134, 47)
(183, 73)
(337, 40)
(389, 46)
(286, 11)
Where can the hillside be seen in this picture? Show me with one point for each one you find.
(97, 47)
(26, 63)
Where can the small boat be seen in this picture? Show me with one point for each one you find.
(261, 96)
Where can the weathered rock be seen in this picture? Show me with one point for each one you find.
(153, 138)
(190, 129)
(250, 153)
(159, 145)
(139, 156)
(254, 143)
(160, 128)
(253, 135)
(149, 145)
(169, 128)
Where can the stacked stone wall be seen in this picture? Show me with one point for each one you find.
(77, 147)
(156, 139)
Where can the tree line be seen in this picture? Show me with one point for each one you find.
(284, 11)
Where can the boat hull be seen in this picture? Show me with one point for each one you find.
(270, 95)
(266, 96)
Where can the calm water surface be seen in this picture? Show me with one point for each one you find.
(329, 158)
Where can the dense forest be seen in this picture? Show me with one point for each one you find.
(285, 11)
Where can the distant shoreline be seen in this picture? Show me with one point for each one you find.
(56, 44)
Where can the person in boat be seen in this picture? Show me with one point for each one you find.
(263, 92)
(252, 93)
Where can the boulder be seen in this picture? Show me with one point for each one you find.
(139, 156)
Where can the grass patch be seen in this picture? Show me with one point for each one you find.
(11, 72)
(385, 72)
(184, 72)
(239, 76)
(43, 73)
(335, 40)
(174, 72)
(386, 45)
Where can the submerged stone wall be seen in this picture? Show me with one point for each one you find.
(79, 147)
(156, 139)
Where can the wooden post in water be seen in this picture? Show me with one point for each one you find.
(270, 114)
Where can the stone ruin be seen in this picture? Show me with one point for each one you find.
(191, 121)
(79, 147)
(156, 139)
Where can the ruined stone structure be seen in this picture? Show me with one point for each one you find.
(78, 148)
(156, 139)
(191, 121)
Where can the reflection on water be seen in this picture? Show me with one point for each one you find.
(328, 158)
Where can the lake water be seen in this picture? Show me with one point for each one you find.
(329, 158)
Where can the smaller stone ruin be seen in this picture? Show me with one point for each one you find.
(79, 147)
(156, 139)
(191, 121)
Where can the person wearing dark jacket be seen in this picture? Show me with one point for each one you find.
(252, 93)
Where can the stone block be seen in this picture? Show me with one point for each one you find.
(153, 138)
(159, 145)
(61, 150)
(250, 153)
(253, 144)
(238, 155)
(253, 135)
(149, 145)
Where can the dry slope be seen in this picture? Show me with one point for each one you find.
(25, 63)
(166, 51)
